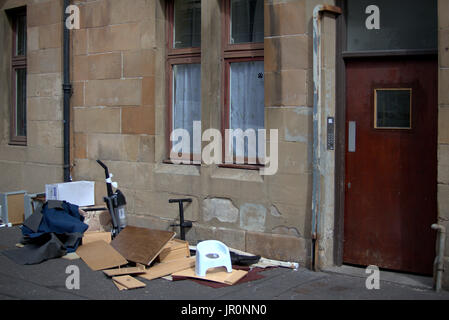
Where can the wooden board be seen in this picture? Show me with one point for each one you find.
(141, 245)
(89, 237)
(128, 282)
(99, 255)
(175, 249)
(16, 208)
(123, 271)
(167, 268)
(218, 274)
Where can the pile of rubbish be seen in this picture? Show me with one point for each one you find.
(59, 228)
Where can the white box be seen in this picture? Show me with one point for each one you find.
(81, 193)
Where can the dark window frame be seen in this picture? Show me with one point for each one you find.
(17, 62)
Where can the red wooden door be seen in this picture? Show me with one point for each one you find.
(391, 163)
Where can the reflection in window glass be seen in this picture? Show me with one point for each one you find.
(20, 102)
(246, 21)
(187, 24)
(247, 100)
(21, 38)
(186, 97)
(393, 108)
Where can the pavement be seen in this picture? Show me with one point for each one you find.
(47, 281)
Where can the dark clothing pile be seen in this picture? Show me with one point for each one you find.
(53, 230)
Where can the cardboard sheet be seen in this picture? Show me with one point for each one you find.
(128, 282)
(99, 255)
(218, 274)
(175, 249)
(119, 286)
(93, 236)
(141, 245)
(252, 275)
(16, 208)
(166, 268)
(123, 271)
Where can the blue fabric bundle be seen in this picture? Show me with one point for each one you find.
(50, 232)
(59, 218)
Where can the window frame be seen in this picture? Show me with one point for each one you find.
(226, 115)
(175, 56)
(17, 62)
(242, 52)
(170, 63)
(170, 9)
(233, 50)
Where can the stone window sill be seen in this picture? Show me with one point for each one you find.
(238, 173)
(169, 167)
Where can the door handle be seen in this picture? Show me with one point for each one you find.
(352, 128)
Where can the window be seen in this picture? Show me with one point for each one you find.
(186, 24)
(246, 23)
(244, 107)
(184, 71)
(393, 108)
(18, 127)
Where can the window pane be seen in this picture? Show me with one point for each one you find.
(187, 24)
(246, 21)
(186, 97)
(247, 100)
(21, 37)
(403, 24)
(393, 108)
(21, 120)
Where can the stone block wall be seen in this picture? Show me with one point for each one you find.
(30, 167)
(119, 113)
(113, 100)
(119, 116)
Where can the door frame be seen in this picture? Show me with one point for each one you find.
(340, 120)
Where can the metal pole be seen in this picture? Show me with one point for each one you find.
(67, 91)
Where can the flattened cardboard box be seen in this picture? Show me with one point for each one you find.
(93, 236)
(124, 271)
(175, 249)
(99, 255)
(218, 274)
(141, 245)
(127, 282)
(165, 268)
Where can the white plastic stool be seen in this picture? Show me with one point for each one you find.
(210, 254)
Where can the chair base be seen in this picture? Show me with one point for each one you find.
(212, 254)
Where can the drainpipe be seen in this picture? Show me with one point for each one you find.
(67, 90)
(439, 260)
(317, 93)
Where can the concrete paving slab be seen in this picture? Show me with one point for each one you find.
(388, 276)
(277, 282)
(344, 287)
